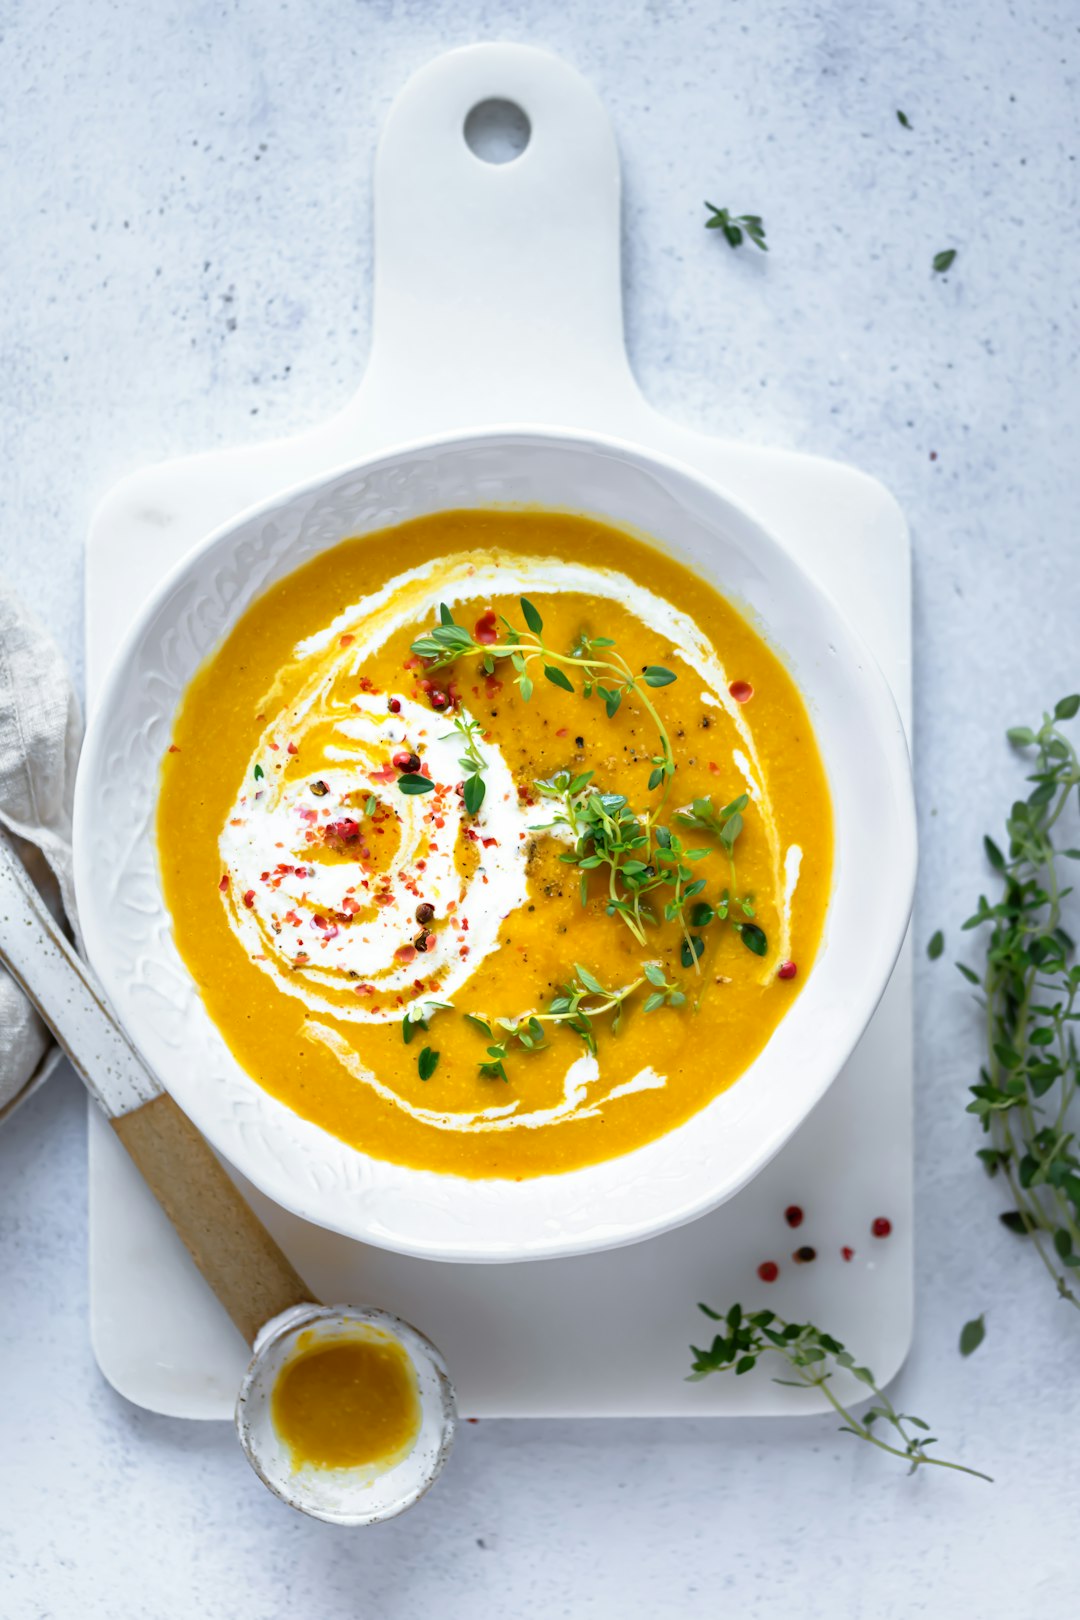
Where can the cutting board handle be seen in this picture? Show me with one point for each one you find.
(497, 285)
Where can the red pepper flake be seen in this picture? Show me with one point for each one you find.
(173, 748)
(492, 685)
(786, 970)
(848, 1254)
(224, 884)
(768, 1271)
(405, 953)
(345, 831)
(387, 774)
(292, 749)
(487, 842)
(714, 767)
(563, 731)
(249, 898)
(881, 1227)
(803, 1256)
(486, 628)
(365, 989)
(275, 747)
(741, 691)
(346, 641)
(319, 921)
(793, 1215)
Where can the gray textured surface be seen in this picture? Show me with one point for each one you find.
(185, 263)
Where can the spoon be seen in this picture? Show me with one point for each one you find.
(267, 1299)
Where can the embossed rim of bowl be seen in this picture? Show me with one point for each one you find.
(692, 1168)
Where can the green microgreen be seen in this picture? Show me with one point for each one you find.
(944, 260)
(258, 773)
(936, 945)
(371, 806)
(736, 226)
(427, 1063)
(472, 761)
(413, 782)
(1029, 992)
(902, 118)
(813, 1357)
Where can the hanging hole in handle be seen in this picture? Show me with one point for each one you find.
(497, 131)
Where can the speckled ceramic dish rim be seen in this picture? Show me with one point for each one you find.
(661, 1185)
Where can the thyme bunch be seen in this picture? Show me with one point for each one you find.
(1029, 990)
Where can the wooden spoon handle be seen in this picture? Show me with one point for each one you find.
(235, 1253)
(231, 1247)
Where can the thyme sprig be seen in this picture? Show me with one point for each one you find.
(1029, 990)
(736, 226)
(812, 1356)
(640, 860)
(577, 1005)
(725, 824)
(609, 677)
(472, 761)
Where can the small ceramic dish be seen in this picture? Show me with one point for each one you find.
(352, 1496)
(690, 1169)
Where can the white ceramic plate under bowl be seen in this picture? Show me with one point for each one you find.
(669, 1181)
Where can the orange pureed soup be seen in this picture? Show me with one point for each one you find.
(350, 1401)
(497, 843)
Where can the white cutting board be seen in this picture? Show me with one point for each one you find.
(497, 300)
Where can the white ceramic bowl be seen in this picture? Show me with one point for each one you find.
(692, 1168)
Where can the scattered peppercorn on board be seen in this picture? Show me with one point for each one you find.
(497, 300)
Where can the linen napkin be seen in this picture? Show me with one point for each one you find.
(40, 734)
